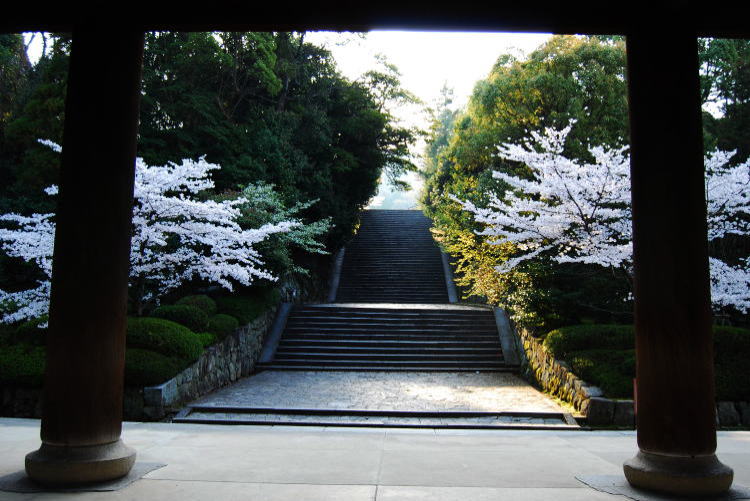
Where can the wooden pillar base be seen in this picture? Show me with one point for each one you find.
(56, 465)
(689, 476)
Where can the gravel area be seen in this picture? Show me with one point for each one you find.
(409, 391)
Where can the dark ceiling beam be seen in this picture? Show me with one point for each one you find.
(532, 16)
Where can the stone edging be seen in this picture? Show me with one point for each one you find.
(556, 378)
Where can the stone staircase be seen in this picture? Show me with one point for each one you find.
(392, 259)
(391, 316)
(391, 338)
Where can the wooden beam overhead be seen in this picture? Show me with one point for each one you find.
(234, 15)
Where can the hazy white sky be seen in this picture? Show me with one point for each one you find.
(426, 60)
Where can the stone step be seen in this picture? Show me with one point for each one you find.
(380, 343)
(376, 418)
(372, 368)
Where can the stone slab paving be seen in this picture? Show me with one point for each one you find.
(404, 391)
(290, 463)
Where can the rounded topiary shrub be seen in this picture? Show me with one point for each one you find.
(206, 338)
(148, 368)
(191, 317)
(574, 338)
(165, 337)
(22, 365)
(200, 301)
(222, 325)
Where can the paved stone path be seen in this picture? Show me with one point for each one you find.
(412, 391)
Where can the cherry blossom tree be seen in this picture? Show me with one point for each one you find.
(573, 211)
(177, 236)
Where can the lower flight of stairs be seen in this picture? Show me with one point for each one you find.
(396, 338)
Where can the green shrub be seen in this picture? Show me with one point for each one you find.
(222, 325)
(200, 301)
(22, 365)
(247, 308)
(191, 317)
(604, 355)
(732, 363)
(29, 332)
(206, 338)
(565, 340)
(148, 368)
(611, 370)
(165, 337)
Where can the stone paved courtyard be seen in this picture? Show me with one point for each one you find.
(279, 463)
(412, 391)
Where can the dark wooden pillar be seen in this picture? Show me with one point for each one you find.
(676, 409)
(82, 412)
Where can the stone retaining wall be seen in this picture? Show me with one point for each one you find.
(556, 378)
(219, 365)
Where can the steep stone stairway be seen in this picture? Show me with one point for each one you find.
(390, 337)
(390, 351)
(392, 259)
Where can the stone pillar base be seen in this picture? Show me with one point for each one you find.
(56, 465)
(690, 476)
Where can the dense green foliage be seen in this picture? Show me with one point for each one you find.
(201, 301)
(191, 317)
(248, 306)
(32, 108)
(604, 355)
(270, 108)
(22, 365)
(165, 337)
(569, 77)
(222, 325)
(206, 338)
(146, 367)
(30, 333)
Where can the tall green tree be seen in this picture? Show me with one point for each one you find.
(35, 110)
(725, 86)
(569, 77)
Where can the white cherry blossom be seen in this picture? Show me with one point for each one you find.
(177, 236)
(575, 211)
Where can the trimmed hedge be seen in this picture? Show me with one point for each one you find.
(22, 365)
(247, 308)
(604, 355)
(148, 368)
(200, 301)
(206, 338)
(560, 342)
(222, 325)
(163, 336)
(191, 317)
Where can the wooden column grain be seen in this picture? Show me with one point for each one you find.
(673, 322)
(83, 387)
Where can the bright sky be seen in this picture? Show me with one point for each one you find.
(426, 60)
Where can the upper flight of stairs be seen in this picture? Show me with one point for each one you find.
(392, 259)
(441, 338)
